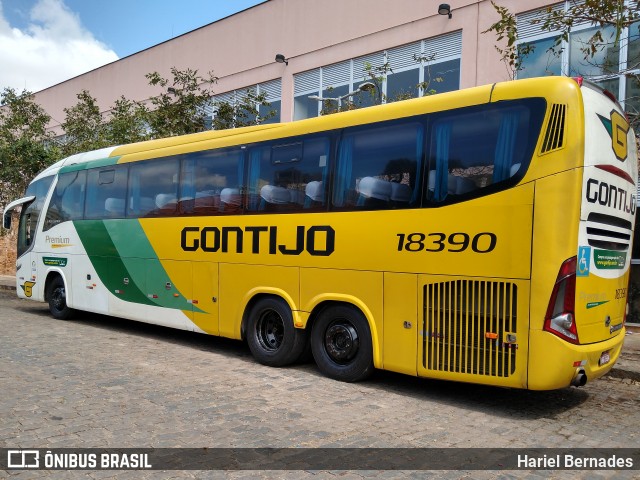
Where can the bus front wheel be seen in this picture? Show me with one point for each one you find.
(272, 338)
(341, 344)
(57, 297)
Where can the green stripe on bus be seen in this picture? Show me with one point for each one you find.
(103, 162)
(124, 259)
(107, 262)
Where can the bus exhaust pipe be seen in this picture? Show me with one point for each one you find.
(579, 379)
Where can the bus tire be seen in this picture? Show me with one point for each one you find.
(341, 344)
(57, 297)
(272, 338)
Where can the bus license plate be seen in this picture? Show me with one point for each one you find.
(604, 358)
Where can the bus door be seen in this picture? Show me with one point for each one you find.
(25, 268)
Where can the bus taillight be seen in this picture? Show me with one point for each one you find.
(560, 318)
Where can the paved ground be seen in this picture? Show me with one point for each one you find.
(104, 382)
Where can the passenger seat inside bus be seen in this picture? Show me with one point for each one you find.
(313, 194)
(273, 195)
(230, 199)
(455, 185)
(375, 192)
(114, 207)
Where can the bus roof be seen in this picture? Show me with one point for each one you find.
(245, 135)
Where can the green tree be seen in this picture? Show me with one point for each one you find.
(243, 112)
(26, 147)
(128, 122)
(608, 17)
(179, 109)
(83, 126)
(603, 14)
(506, 29)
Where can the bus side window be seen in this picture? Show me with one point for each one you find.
(153, 188)
(67, 200)
(212, 182)
(106, 192)
(474, 148)
(289, 176)
(378, 167)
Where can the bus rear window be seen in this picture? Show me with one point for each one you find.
(473, 148)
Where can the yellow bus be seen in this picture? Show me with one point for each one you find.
(480, 236)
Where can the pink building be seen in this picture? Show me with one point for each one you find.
(328, 44)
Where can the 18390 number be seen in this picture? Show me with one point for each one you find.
(483, 242)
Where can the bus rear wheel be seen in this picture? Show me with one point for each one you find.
(341, 344)
(57, 297)
(272, 338)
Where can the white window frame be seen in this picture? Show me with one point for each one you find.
(446, 47)
(530, 36)
(269, 88)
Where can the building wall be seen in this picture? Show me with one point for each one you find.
(240, 49)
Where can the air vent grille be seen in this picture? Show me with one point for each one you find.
(469, 326)
(554, 136)
(608, 232)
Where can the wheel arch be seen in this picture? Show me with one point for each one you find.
(50, 276)
(322, 302)
(255, 294)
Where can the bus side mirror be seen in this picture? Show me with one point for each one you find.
(6, 220)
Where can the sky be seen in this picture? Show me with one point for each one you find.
(44, 42)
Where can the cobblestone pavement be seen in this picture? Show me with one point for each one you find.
(104, 382)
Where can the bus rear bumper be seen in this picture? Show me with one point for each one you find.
(555, 363)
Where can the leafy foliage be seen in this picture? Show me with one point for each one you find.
(243, 112)
(512, 54)
(606, 16)
(179, 109)
(25, 145)
(128, 122)
(603, 13)
(83, 126)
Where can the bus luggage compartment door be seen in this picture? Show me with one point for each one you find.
(474, 330)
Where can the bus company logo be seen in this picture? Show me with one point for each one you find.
(27, 287)
(611, 196)
(23, 459)
(317, 240)
(58, 242)
(617, 127)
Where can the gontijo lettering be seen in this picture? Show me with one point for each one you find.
(611, 196)
(318, 240)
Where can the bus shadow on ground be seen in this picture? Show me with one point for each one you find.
(514, 404)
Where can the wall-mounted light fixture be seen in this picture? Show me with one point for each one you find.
(281, 59)
(172, 90)
(444, 9)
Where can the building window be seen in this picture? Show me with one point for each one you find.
(567, 58)
(268, 114)
(408, 71)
